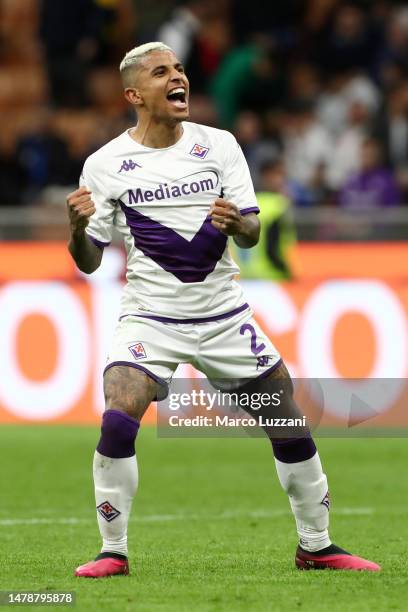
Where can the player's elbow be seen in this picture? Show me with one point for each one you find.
(256, 233)
(88, 268)
(246, 242)
(250, 237)
(252, 241)
(92, 262)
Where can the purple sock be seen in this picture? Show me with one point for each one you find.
(118, 434)
(293, 450)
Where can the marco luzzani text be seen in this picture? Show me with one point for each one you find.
(212, 402)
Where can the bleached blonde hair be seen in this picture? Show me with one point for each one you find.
(133, 57)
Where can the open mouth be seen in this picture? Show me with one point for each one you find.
(177, 97)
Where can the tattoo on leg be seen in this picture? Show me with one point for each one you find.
(278, 381)
(129, 390)
(281, 373)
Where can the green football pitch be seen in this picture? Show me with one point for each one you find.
(210, 529)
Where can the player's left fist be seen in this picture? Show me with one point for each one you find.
(225, 216)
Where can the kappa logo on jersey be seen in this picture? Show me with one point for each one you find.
(108, 512)
(326, 500)
(128, 165)
(137, 350)
(199, 151)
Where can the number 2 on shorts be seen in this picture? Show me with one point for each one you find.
(254, 348)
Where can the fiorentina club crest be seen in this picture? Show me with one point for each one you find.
(199, 151)
(108, 512)
(137, 350)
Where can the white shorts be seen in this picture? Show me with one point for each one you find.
(233, 349)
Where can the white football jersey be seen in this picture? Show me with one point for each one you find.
(178, 264)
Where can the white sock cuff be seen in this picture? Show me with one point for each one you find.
(293, 476)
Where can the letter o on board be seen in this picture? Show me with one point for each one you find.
(376, 301)
(53, 397)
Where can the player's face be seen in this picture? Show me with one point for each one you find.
(163, 86)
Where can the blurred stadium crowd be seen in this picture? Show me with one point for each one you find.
(316, 91)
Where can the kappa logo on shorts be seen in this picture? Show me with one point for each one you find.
(137, 350)
(326, 500)
(199, 151)
(108, 512)
(263, 361)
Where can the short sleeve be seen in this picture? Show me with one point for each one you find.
(237, 184)
(100, 225)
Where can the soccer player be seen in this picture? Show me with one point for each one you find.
(176, 191)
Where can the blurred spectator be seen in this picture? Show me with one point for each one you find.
(277, 20)
(248, 132)
(249, 78)
(318, 189)
(308, 146)
(305, 80)
(349, 41)
(202, 110)
(332, 106)
(180, 30)
(303, 83)
(116, 28)
(392, 126)
(150, 17)
(344, 90)
(13, 177)
(69, 32)
(270, 258)
(318, 14)
(43, 155)
(374, 186)
(346, 154)
(359, 88)
(257, 144)
(392, 57)
(199, 35)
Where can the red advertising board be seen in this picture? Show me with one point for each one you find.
(345, 316)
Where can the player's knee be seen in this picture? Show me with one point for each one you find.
(294, 450)
(118, 434)
(116, 424)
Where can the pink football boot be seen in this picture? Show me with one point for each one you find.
(334, 558)
(105, 564)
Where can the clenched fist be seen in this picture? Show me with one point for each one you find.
(80, 208)
(226, 217)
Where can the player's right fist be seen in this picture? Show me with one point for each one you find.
(80, 208)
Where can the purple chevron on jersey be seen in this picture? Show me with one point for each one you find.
(189, 261)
